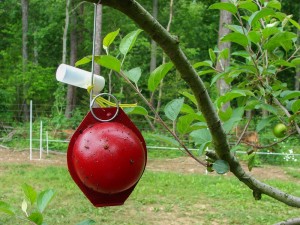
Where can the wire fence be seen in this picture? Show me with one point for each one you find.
(47, 133)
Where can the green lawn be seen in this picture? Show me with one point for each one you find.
(159, 198)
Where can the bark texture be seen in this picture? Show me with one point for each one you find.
(153, 43)
(71, 90)
(25, 5)
(225, 18)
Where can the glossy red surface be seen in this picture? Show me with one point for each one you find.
(106, 159)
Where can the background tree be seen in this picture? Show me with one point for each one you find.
(25, 10)
(223, 63)
(71, 90)
(153, 43)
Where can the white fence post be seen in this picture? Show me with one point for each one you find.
(47, 142)
(41, 139)
(30, 132)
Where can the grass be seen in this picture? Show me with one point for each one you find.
(159, 198)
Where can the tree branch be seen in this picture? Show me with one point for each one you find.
(170, 45)
(269, 145)
(294, 221)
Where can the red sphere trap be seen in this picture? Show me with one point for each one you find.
(106, 159)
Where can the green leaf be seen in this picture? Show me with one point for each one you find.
(256, 16)
(212, 55)
(224, 6)
(30, 193)
(267, 107)
(296, 61)
(243, 54)
(248, 5)
(279, 39)
(201, 136)
(224, 54)
(44, 198)
(128, 41)
(268, 31)
(295, 106)
(295, 23)
(83, 61)
(203, 63)
(274, 4)
(109, 38)
(224, 116)
(138, 110)
(282, 62)
(231, 123)
(254, 36)
(184, 123)
(109, 62)
(221, 166)
(286, 95)
(232, 95)
(158, 74)
(251, 104)
(172, 109)
(191, 97)
(236, 117)
(36, 217)
(187, 109)
(251, 162)
(200, 73)
(6, 208)
(134, 74)
(203, 147)
(287, 45)
(217, 77)
(238, 38)
(236, 28)
(87, 222)
(264, 123)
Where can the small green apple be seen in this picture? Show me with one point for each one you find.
(280, 130)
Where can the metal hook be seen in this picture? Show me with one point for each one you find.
(117, 106)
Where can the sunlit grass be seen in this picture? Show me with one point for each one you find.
(159, 198)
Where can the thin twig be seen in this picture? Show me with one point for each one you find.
(160, 120)
(244, 131)
(270, 145)
(294, 221)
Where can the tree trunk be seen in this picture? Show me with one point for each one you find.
(65, 35)
(164, 58)
(153, 43)
(225, 18)
(25, 4)
(98, 41)
(60, 91)
(35, 49)
(71, 92)
(297, 77)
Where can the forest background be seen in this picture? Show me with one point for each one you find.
(37, 36)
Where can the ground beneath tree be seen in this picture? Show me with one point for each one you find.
(184, 165)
